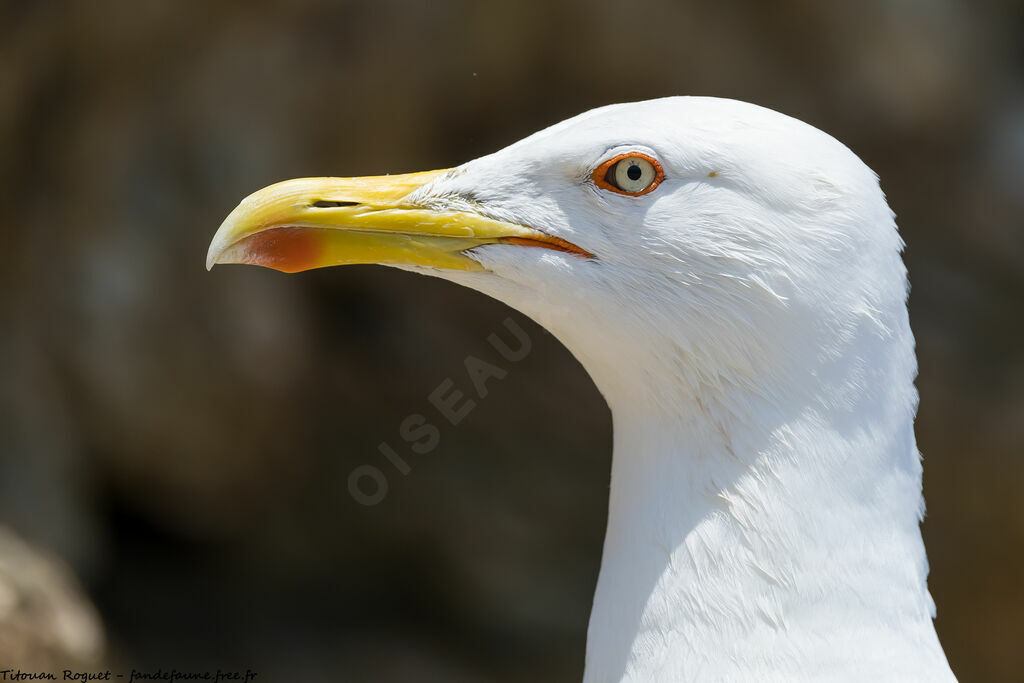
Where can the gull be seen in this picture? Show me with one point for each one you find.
(731, 278)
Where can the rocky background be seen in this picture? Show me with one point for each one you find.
(175, 444)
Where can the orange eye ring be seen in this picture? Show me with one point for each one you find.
(604, 175)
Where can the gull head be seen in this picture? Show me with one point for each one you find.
(710, 239)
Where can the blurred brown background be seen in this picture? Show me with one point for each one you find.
(175, 444)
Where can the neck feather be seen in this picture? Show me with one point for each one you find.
(765, 536)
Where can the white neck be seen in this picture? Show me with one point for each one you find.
(755, 539)
(766, 485)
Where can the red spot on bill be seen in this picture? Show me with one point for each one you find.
(289, 250)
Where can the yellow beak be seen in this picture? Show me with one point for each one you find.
(310, 223)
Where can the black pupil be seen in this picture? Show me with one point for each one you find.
(634, 172)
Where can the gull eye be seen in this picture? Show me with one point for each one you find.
(632, 174)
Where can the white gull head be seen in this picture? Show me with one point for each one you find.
(731, 279)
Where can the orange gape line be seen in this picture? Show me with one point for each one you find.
(548, 242)
(295, 249)
(289, 250)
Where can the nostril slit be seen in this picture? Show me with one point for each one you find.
(324, 204)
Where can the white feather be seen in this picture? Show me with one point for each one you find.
(747, 324)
